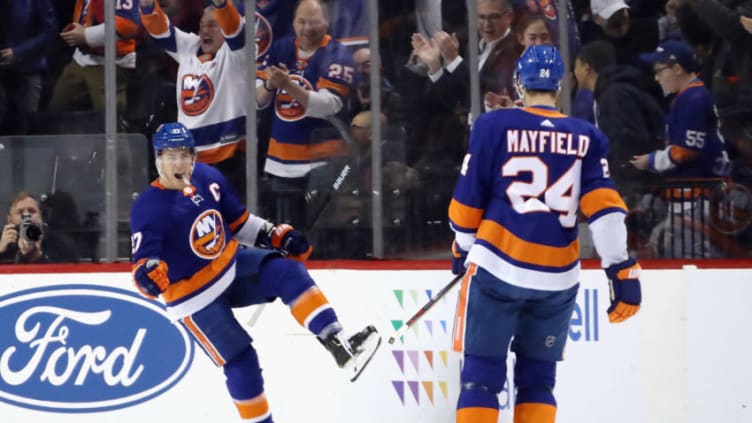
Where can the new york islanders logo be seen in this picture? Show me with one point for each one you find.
(207, 236)
(196, 94)
(264, 35)
(286, 107)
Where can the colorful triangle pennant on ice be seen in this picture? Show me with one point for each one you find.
(428, 387)
(399, 387)
(399, 357)
(413, 385)
(429, 357)
(429, 326)
(413, 356)
(414, 294)
(400, 298)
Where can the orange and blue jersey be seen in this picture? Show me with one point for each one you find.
(515, 205)
(91, 12)
(695, 148)
(192, 231)
(293, 150)
(208, 86)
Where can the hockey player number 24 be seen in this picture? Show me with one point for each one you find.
(561, 197)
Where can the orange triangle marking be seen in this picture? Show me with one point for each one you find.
(429, 357)
(428, 386)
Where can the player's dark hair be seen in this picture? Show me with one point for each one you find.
(597, 54)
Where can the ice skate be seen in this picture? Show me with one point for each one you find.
(354, 353)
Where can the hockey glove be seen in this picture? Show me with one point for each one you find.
(291, 242)
(151, 277)
(458, 259)
(624, 284)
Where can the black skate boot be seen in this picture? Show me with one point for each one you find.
(354, 353)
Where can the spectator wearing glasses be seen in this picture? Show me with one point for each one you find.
(693, 147)
(498, 51)
(693, 150)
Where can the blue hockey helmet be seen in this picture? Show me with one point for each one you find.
(172, 135)
(540, 68)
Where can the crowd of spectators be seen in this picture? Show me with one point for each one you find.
(632, 62)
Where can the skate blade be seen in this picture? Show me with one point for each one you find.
(361, 360)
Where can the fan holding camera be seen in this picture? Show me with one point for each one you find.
(21, 239)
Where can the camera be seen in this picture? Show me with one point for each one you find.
(28, 230)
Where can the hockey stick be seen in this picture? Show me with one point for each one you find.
(401, 331)
(340, 177)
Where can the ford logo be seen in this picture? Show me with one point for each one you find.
(83, 348)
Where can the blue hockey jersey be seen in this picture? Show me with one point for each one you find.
(696, 149)
(515, 203)
(293, 151)
(192, 231)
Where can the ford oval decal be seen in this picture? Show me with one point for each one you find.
(83, 348)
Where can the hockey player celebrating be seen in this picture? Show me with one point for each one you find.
(197, 247)
(514, 213)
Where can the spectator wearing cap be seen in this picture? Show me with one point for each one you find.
(629, 35)
(612, 16)
(693, 148)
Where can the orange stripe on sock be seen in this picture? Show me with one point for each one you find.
(534, 412)
(204, 341)
(253, 408)
(478, 415)
(307, 303)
